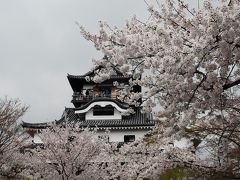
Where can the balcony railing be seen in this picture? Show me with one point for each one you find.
(86, 98)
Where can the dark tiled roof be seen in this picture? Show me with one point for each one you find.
(118, 74)
(135, 120)
(69, 116)
(76, 76)
(35, 125)
(83, 76)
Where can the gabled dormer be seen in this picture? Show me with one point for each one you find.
(102, 108)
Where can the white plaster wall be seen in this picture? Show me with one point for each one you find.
(29, 139)
(37, 139)
(117, 116)
(118, 135)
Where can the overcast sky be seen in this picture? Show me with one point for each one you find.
(40, 43)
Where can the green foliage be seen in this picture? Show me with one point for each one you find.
(194, 129)
(149, 138)
(177, 173)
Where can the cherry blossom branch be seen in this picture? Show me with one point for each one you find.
(186, 7)
(229, 85)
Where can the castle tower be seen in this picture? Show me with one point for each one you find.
(97, 105)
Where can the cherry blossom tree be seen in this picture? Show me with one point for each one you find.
(142, 159)
(188, 62)
(67, 153)
(11, 135)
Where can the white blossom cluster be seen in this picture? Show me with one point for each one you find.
(67, 153)
(188, 62)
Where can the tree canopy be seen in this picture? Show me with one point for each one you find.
(11, 110)
(188, 61)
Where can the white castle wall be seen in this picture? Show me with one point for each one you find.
(118, 135)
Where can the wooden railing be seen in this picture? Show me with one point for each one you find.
(85, 98)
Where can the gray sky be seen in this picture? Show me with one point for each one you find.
(40, 43)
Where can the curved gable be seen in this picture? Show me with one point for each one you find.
(101, 104)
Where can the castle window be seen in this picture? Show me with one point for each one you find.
(129, 138)
(103, 111)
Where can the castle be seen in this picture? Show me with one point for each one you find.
(98, 106)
